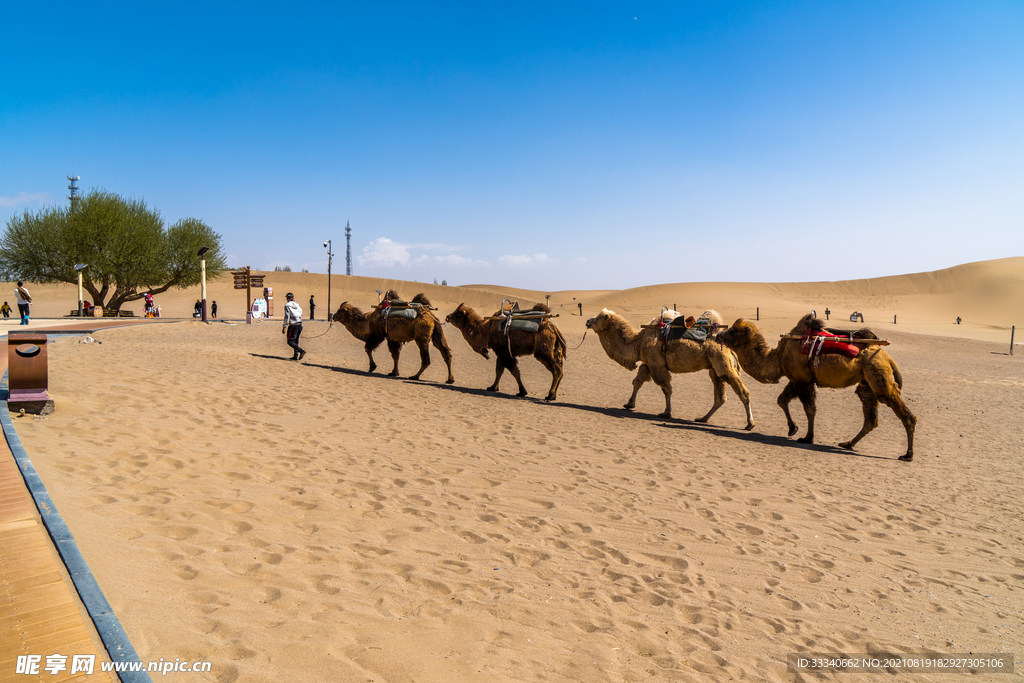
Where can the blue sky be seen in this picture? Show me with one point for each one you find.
(549, 146)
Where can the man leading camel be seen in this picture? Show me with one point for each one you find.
(293, 325)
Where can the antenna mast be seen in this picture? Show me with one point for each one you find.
(348, 249)
(73, 195)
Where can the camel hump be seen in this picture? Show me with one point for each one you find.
(818, 325)
(391, 294)
(421, 298)
(540, 307)
(862, 333)
(712, 316)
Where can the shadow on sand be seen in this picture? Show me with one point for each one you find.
(622, 413)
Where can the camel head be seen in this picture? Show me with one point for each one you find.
(600, 322)
(741, 334)
(461, 318)
(346, 313)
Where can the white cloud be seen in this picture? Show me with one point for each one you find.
(385, 253)
(525, 261)
(382, 252)
(22, 198)
(456, 260)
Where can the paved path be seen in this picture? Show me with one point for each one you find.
(40, 610)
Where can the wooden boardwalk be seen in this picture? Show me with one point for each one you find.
(40, 611)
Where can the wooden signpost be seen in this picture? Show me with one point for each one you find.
(244, 279)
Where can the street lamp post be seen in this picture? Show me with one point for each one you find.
(80, 267)
(330, 256)
(202, 268)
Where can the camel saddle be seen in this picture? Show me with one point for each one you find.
(516, 318)
(517, 313)
(524, 324)
(818, 342)
(408, 313)
(686, 327)
(396, 308)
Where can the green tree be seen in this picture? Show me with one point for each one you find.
(128, 248)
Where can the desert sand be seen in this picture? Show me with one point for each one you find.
(311, 521)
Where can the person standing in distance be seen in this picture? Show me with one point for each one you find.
(293, 325)
(24, 299)
(312, 307)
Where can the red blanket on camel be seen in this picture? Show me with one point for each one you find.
(815, 342)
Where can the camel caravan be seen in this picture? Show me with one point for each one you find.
(810, 356)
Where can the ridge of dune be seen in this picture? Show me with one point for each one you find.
(988, 296)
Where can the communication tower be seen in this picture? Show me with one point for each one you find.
(348, 249)
(73, 194)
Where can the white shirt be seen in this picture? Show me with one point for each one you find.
(292, 314)
(21, 299)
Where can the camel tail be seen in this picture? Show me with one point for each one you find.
(437, 335)
(896, 375)
(561, 348)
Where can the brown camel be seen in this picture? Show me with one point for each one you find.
(628, 346)
(372, 328)
(546, 345)
(876, 375)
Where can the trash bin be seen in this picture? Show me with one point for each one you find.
(27, 374)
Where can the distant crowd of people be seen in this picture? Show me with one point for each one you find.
(292, 313)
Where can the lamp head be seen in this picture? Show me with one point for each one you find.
(325, 244)
(80, 266)
(202, 251)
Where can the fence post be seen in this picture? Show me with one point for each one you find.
(1013, 328)
(759, 313)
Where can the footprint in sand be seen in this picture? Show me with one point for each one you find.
(471, 537)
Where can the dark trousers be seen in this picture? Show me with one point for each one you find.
(23, 310)
(294, 331)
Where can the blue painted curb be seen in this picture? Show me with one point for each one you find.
(111, 632)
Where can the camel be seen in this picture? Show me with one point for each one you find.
(547, 345)
(876, 375)
(372, 328)
(628, 346)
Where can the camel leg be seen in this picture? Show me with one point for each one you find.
(808, 396)
(424, 346)
(870, 405)
(369, 354)
(785, 398)
(737, 385)
(446, 353)
(499, 370)
(895, 401)
(719, 385)
(512, 364)
(395, 348)
(663, 378)
(548, 360)
(885, 385)
(643, 376)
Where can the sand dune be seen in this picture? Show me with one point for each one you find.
(312, 521)
(987, 296)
